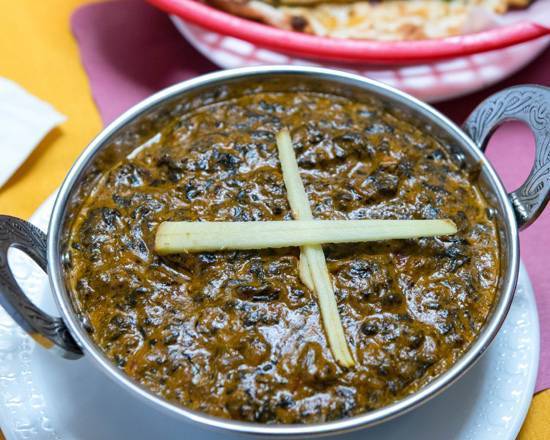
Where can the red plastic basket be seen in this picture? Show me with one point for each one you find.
(348, 50)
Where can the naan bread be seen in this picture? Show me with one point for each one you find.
(385, 20)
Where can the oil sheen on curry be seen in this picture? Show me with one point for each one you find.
(236, 334)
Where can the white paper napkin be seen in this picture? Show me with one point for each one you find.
(24, 121)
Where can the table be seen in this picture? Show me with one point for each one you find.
(38, 51)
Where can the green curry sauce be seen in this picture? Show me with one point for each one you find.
(236, 334)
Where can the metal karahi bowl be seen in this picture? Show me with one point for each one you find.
(68, 334)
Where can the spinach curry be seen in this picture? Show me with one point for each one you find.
(235, 333)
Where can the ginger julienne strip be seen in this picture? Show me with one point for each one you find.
(303, 271)
(175, 237)
(315, 257)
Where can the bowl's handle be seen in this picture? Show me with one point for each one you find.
(530, 104)
(50, 332)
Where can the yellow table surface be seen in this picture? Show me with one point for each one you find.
(38, 51)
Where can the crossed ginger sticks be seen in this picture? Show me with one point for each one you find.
(309, 234)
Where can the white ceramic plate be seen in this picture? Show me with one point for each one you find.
(45, 397)
(432, 82)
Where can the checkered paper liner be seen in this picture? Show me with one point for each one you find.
(432, 82)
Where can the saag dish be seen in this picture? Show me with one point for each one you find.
(236, 333)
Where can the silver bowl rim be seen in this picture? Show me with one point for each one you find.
(367, 419)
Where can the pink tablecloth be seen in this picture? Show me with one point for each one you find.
(130, 50)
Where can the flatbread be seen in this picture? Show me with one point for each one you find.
(385, 20)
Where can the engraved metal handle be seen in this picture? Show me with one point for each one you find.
(530, 104)
(48, 331)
